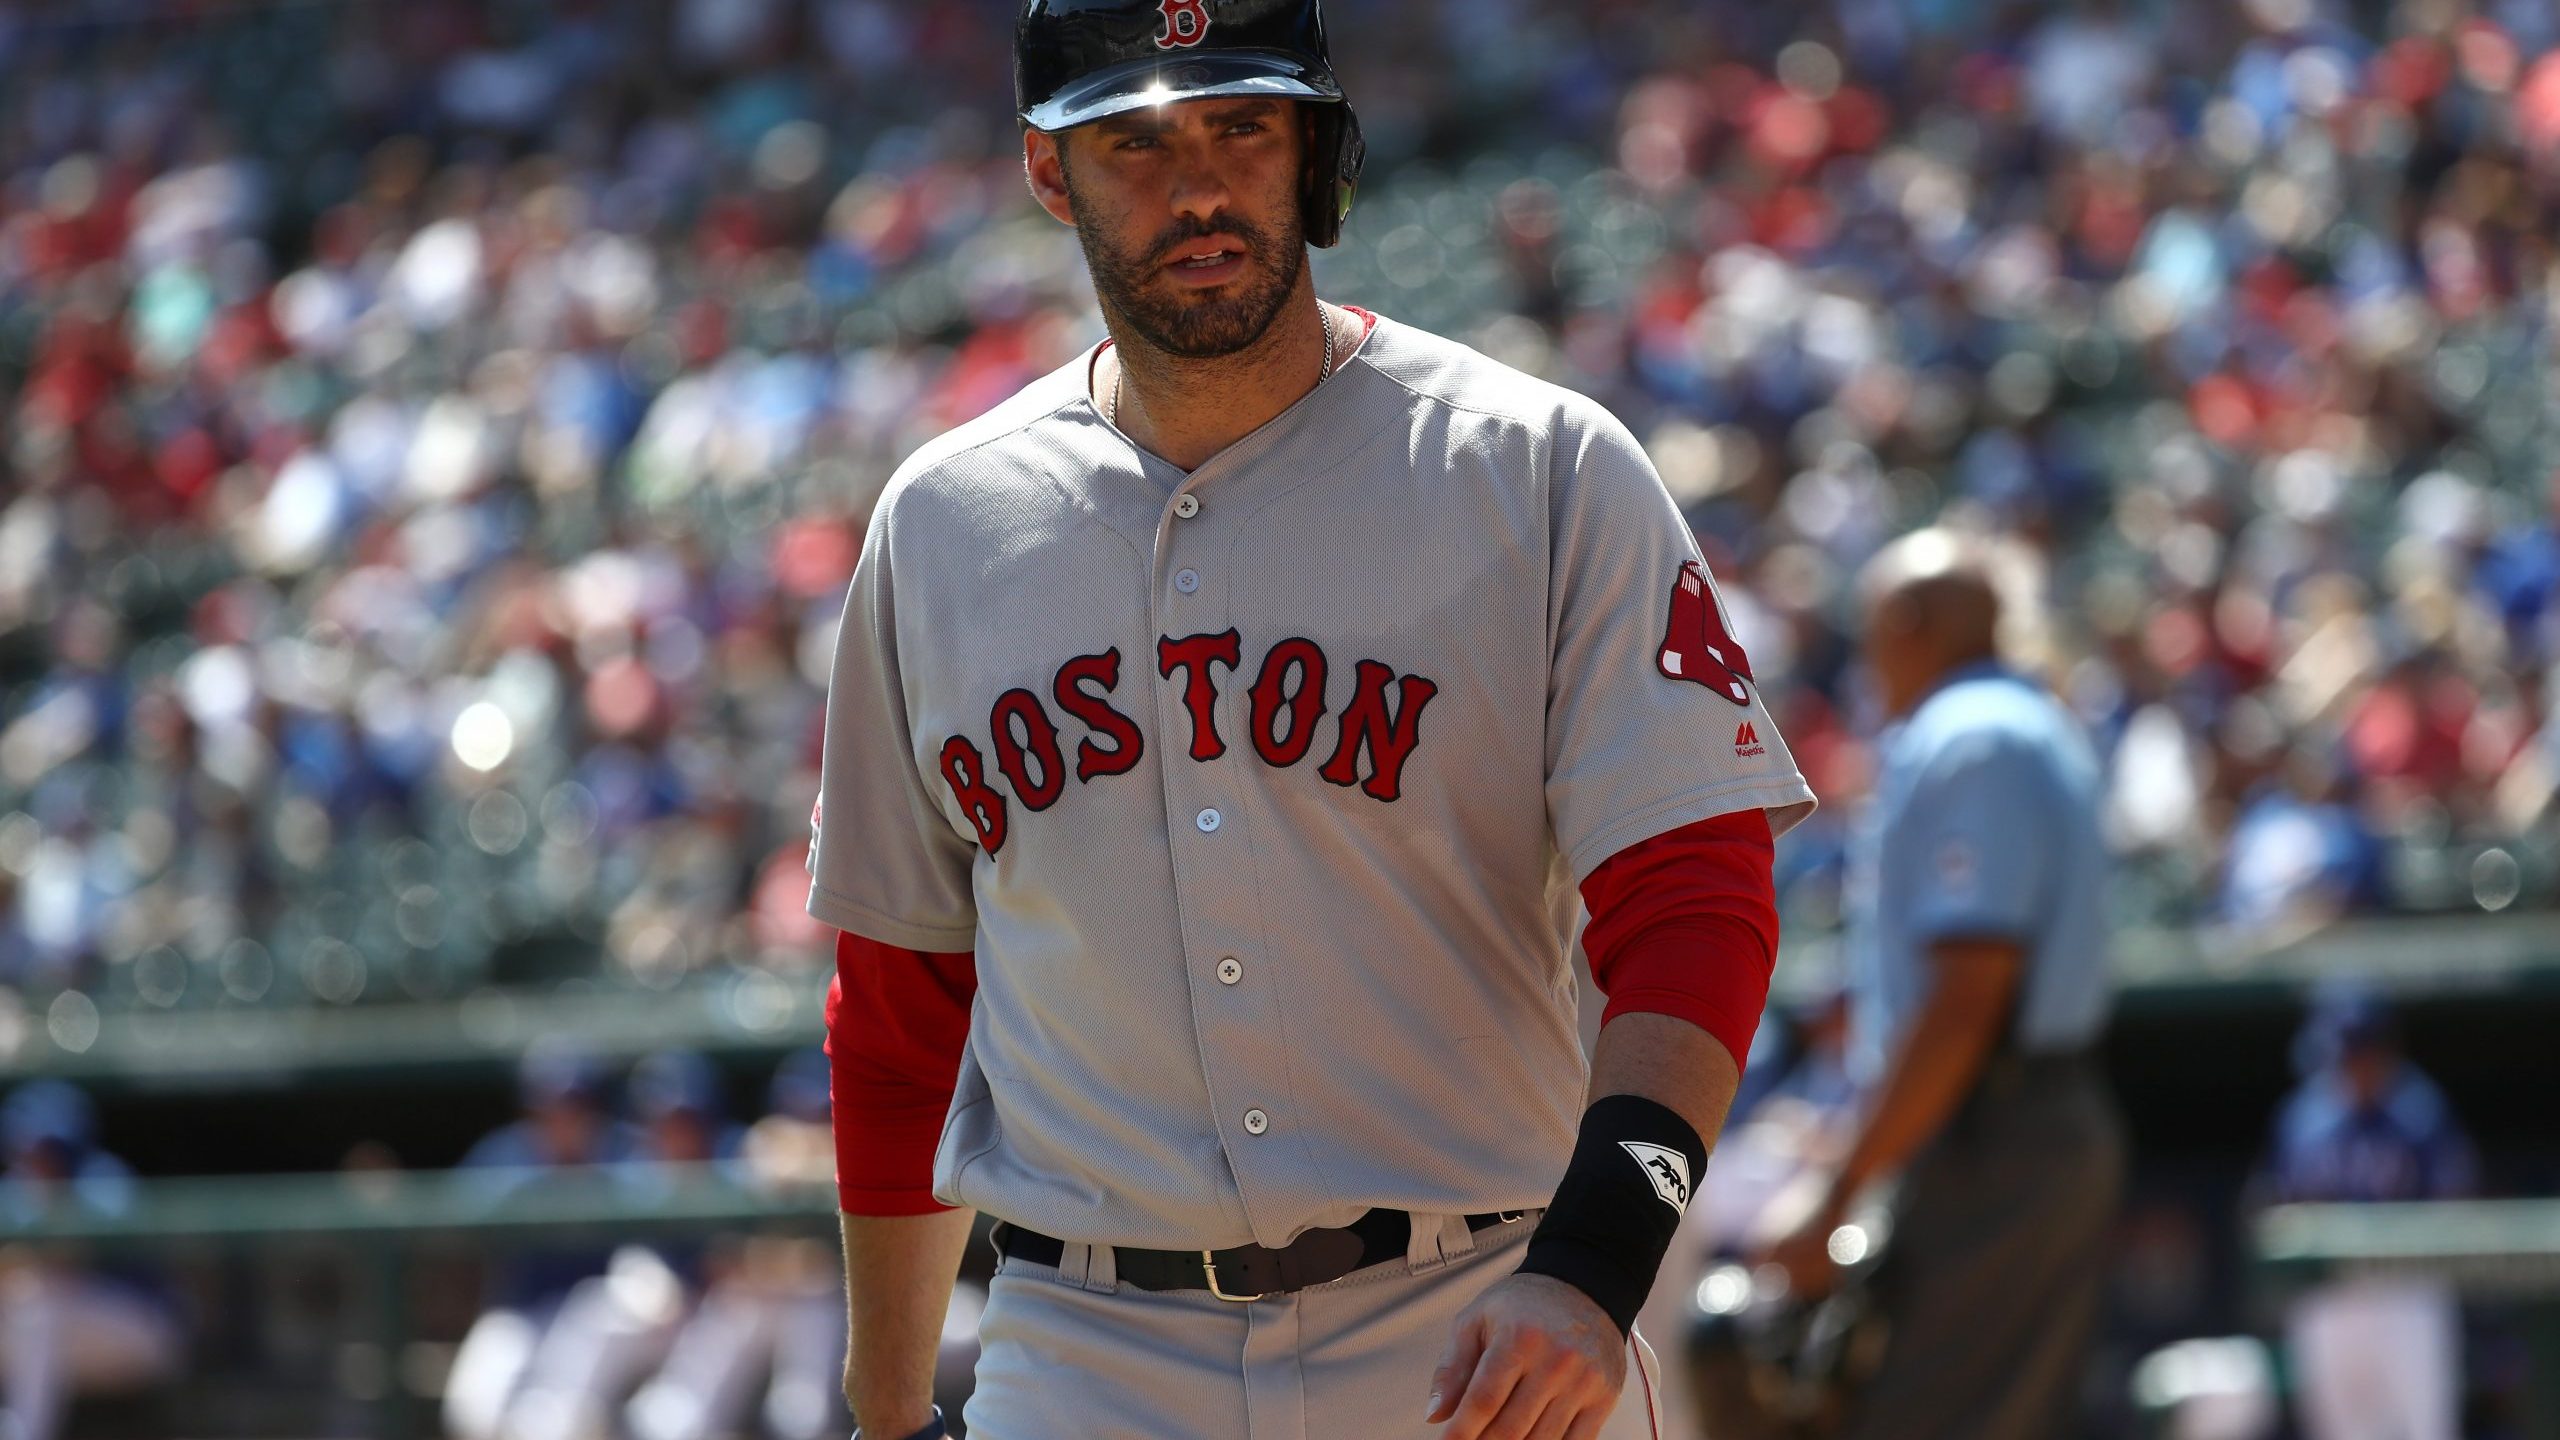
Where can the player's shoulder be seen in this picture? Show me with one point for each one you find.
(1445, 374)
(1007, 445)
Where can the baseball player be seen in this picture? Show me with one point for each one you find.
(1219, 734)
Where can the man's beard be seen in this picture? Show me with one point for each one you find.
(1195, 324)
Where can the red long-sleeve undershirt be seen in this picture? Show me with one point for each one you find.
(1684, 924)
(896, 1022)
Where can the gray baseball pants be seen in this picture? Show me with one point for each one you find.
(1067, 1353)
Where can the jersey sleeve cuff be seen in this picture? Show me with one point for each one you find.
(837, 910)
(1787, 798)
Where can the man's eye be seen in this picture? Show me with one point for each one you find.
(1136, 142)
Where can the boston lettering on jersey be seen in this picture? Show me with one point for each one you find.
(1381, 725)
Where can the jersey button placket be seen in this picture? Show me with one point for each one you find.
(1212, 874)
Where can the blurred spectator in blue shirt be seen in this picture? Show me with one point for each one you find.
(677, 1111)
(2366, 1125)
(66, 1329)
(2300, 855)
(567, 1130)
(794, 1144)
(2374, 1357)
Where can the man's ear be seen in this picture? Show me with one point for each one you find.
(1044, 170)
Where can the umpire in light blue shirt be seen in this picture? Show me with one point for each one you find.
(1978, 989)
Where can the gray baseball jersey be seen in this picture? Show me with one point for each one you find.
(1262, 791)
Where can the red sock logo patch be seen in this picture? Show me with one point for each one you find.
(1697, 648)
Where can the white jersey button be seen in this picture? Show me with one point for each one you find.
(1208, 821)
(1186, 505)
(1255, 1122)
(1186, 581)
(1230, 970)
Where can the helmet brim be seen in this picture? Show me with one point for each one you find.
(1137, 84)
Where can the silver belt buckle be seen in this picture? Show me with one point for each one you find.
(1209, 1262)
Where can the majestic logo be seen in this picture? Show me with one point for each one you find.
(1695, 645)
(1667, 1169)
(1186, 23)
(1380, 725)
(817, 815)
(1746, 740)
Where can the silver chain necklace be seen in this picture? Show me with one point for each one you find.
(1111, 411)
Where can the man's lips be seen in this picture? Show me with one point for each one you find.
(1207, 260)
(1220, 244)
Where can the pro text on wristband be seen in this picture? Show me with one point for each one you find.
(1634, 1167)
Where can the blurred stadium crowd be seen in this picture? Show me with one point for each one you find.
(439, 433)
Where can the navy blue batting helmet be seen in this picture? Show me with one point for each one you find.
(1078, 61)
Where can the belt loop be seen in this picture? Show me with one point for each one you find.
(1437, 1240)
(1456, 1239)
(1102, 1270)
(1422, 1240)
(1075, 1260)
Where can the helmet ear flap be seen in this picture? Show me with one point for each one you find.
(1335, 153)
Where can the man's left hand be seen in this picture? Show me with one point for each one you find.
(1533, 1359)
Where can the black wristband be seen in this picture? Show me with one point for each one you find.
(1633, 1171)
(933, 1430)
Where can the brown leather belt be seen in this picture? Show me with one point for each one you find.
(1249, 1272)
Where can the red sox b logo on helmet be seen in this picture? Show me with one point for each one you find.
(1697, 648)
(1186, 23)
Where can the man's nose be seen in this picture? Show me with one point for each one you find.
(1199, 188)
